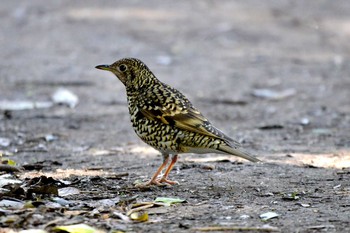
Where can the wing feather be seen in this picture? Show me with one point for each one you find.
(173, 108)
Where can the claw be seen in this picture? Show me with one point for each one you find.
(154, 182)
(150, 183)
(159, 182)
(169, 182)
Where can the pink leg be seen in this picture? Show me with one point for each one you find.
(153, 180)
(164, 178)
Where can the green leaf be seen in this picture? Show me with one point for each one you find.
(8, 162)
(28, 204)
(78, 228)
(169, 200)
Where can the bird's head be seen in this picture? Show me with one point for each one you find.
(132, 72)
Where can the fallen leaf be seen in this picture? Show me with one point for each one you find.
(303, 205)
(141, 216)
(121, 216)
(168, 200)
(50, 137)
(244, 216)
(11, 204)
(7, 179)
(268, 215)
(33, 231)
(272, 94)
(9, 219)
(4, 142)
(75, 212)
(23, 105)
(63, 192)
(110, 202)
(8, 162)
(290, 196)
(78, 228)
(43, 189)
(65, 97)
(28, 205)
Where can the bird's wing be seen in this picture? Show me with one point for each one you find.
(173, 108)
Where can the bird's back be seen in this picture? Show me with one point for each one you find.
(165, 119)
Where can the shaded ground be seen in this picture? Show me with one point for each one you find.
(218, 54)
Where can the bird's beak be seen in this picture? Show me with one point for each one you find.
(103, 67)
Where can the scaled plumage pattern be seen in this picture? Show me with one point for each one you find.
(166, 120)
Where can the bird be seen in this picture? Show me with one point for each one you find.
(166, 120)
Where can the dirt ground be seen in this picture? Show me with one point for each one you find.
(274, 75)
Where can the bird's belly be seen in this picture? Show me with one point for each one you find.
(158, 135)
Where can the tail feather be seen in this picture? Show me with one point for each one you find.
(238, 152)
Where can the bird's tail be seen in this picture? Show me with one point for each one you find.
(238, 152)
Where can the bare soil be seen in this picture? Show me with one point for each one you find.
(221, 54)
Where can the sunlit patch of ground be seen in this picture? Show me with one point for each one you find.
(340, 159)
(64, 173)
(121, 13)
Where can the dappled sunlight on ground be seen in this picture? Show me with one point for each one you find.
(121, 13)
(140, 151)
(64, 173)
(340, 159)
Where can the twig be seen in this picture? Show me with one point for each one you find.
(8, 168)
(139, 209)
(237, 228)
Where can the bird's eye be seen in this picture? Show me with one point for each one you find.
(122, 67)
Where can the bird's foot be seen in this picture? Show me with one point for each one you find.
(150, 183)
(157, 182)
(169, 182)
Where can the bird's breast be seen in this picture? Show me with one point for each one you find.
(154, 132)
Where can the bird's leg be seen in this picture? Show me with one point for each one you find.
(154, 180)
(164, 178)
